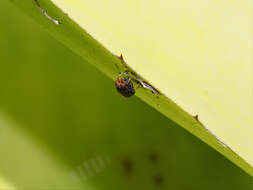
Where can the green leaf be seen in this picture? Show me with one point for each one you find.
(200, 63)
(59, 115)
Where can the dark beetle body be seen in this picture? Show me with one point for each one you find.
(125, 87)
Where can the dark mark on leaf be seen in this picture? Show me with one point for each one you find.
(127, 166)
(158, 179)
(153, 157)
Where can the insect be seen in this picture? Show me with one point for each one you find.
(124, 86)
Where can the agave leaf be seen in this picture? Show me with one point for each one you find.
(197, 55)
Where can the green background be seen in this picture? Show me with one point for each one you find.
(74, 112)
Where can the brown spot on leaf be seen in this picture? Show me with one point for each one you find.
(158, 179)
(153, 157)
(127, 166)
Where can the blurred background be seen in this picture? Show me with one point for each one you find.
(63, 125)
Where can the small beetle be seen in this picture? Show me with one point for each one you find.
(124, 86)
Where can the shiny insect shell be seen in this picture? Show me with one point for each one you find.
(125, 87)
